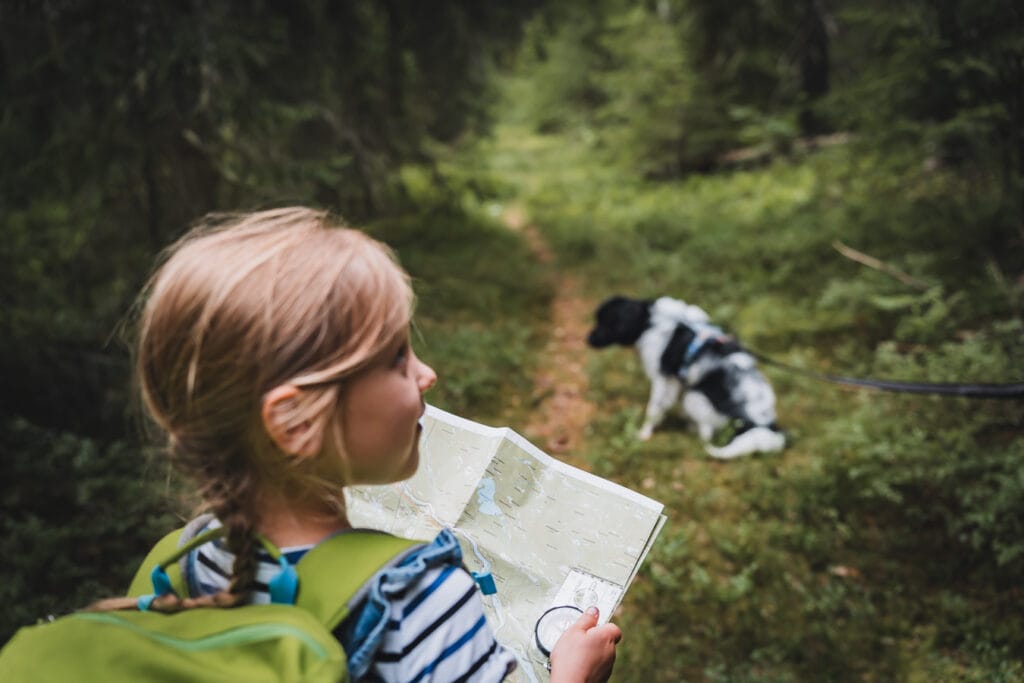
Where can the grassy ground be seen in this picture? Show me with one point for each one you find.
(804, 566)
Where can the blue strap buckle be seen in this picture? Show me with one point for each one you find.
(285, 586)
(485, 580)
(161, 582)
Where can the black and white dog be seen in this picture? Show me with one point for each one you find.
(680, 349)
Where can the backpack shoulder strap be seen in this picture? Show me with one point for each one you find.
(142, 583)
(334, 574)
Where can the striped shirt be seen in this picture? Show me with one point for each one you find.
(437, 630)
(441, 634)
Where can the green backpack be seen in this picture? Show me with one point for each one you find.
(253, 643)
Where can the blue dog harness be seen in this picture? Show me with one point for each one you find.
(703, 334)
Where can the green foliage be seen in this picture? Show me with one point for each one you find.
(645, 117)
(957, 471)
(945, 72)
(77, 517)
(120, 128)
(675, 86)
(563, 88)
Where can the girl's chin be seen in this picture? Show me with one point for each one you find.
(414, 462)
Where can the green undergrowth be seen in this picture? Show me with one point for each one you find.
(885, 543)
(70, 539)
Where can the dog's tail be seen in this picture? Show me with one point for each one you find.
(753, 440)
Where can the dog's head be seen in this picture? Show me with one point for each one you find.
(619, 320)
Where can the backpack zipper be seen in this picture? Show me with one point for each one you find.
(239, 635)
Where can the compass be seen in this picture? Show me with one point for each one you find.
(552, 624)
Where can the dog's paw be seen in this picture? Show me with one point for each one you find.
(645, 433)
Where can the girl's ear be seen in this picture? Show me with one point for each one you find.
(278, 413)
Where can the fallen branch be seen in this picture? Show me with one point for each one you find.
(765, 152)
(872, 262)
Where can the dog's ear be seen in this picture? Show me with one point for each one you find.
(607, 315)
(610, 308)
(675, 351)
(620, 320)
(633, 319)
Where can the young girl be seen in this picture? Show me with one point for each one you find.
(274, 354)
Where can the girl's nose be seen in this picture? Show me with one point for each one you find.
(426, 377)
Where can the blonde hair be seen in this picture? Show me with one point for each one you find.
(246, 303)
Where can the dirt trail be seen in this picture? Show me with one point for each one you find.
(561, 410)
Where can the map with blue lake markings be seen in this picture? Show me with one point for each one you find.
(548, 533)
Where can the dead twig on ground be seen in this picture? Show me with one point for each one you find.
(872, 262)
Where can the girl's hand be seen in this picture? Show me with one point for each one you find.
(586, 652)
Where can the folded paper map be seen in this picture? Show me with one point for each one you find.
(549, 534)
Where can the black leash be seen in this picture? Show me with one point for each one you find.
(1011, 391)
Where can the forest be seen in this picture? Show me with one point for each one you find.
(839, 182)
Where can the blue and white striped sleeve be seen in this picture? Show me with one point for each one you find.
(438, 632)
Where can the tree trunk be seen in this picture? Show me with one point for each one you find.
(814, 64)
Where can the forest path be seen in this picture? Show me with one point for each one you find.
(560, 410)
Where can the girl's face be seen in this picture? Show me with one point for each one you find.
(380, 412)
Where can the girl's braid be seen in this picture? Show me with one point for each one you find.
(241, 541)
